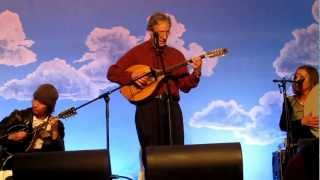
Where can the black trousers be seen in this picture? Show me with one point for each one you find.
(305, 164)
(152, 124)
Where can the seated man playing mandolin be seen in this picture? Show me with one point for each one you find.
(33, 129)
(158, 115)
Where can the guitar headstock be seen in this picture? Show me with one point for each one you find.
(216, 52)
(67, 113)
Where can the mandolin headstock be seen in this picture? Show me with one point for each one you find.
(216, 52)
(67, 113)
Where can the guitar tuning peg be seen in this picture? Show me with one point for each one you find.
(67, 113)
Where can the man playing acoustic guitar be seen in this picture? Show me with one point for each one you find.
(158, 117)
(33, 129)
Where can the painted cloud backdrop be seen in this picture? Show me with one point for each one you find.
(73, 44)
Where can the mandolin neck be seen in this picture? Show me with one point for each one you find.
(176, 66)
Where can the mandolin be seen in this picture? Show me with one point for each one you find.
(135, 94)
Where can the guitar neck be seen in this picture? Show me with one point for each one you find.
(63, 115)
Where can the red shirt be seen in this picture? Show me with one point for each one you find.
(145, 54)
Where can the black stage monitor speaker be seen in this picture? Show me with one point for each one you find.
(85, 164)
(194, 162)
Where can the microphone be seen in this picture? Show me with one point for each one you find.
(156, 44)
(299, 81)
(156, 40)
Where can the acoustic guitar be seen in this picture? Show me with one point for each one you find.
(135, 94)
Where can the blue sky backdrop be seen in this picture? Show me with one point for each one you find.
(72, 43)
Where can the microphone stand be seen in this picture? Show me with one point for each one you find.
(159, 54)
(289, 141)
(106, 98)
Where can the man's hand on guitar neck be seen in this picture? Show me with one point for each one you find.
(17, 136)
(196, 65)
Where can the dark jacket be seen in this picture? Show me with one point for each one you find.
(23, 119)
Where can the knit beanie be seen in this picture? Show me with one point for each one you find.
(47, 94)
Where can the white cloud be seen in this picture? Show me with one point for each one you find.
(303, 49)
(315, 10)
(105, 47)
(193, 49)
(14, 47)
(223, 115)
(70, 83)
(254, 126)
